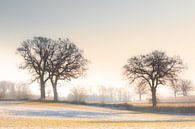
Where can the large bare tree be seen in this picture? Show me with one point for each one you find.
(35, 53)
(67, 62)
(156, 68)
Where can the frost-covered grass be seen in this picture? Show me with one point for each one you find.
(68, 116)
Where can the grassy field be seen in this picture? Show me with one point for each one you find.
(57, 123)
(170, 108)
(38, 115)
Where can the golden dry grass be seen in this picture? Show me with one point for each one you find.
(59, 123)
(173, 105)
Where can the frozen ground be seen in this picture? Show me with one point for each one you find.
(43, 115)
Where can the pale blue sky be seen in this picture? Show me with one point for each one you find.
(109, 31)
(27, 16)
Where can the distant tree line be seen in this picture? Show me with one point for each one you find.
(17, 91)
(101, 94)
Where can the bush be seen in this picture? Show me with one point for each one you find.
(77, 95)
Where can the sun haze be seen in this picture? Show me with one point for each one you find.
(108, 31)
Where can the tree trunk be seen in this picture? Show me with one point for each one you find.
(184, 93)
(55, 93)
(175, 94)
(140, 97)
(154, 101)
(42, 89)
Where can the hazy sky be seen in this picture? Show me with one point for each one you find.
(109, 32)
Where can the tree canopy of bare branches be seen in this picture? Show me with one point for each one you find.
(155, 68)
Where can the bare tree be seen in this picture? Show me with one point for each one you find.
(6, 89)
(3, 90)
(122, 94)
(35, 53)
(22, 91)
(103, 92)
(141, 89)
(77, 94)
(185, 86)
(155, 68)
(111, 93)
(67, 62)
(175, 86)
(182, 86)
